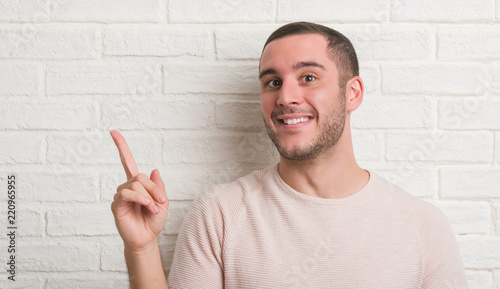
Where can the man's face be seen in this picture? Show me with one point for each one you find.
(303, 109)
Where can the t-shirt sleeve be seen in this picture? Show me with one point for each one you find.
(197, 259)
(441, 255)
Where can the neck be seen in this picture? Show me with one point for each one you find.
(334, 174)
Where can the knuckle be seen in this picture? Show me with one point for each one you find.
(135, 186)
(142, 177)
(120, 187)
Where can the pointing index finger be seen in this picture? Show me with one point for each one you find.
(126, 157)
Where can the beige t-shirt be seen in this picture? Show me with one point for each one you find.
(257, 232)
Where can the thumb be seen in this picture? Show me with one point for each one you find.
(155, 177)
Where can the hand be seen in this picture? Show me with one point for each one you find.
(140, 206)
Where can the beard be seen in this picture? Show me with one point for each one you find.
(329, 133)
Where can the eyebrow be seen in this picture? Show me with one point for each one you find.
(307, 64)
(267, 71)
(295, 67)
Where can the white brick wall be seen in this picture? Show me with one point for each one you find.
(110, 11)
(443, 11)
(18, 78)
(179, 78)
(386, 42)
(434, 78)
(333, 11)
(49, 41)
(468, 42)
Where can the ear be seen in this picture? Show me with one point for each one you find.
(354, 90)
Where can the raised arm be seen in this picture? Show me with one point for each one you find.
(140, 208)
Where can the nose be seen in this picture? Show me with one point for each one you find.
(289, 94)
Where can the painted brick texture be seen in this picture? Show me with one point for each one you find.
(179, 79)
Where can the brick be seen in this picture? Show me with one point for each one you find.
(31, 222)
(447, 79)
(94, 281)
(466, 217)
(242, 41)
(371, 77)
(66, 256)
(48, 42)
(239, 115)
(28, 11)
(53, 187)
(220, 11)
(110, 180)
(372, 42)
(479, 279)
(20, 147)
(35, 282)
(368, 145)
(495, 77)
(112, 256)
(328, 11)
(177, 210)
(99, 148)
(439, 146)
(387, 42)
(468, 42)
(470, 182)
(159, 115)
(448, 10)
(172, 41)
(390, 112)
(418, 180)
(107, 11)
(4, 174)
(498, 18)
(497, 148)
(211, 78)
(67, 116)
(480, 252)
(497, 221)
(18, 79)
(102, 78)
(469, 113)
(69, 222)
(196, 148)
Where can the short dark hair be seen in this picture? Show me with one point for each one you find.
(340, 48)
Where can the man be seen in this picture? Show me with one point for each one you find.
(314, 220)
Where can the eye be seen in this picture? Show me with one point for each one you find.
(308, 78)
(273, 83)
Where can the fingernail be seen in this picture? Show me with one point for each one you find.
(156, 210)
(147, 201)
(162, 198)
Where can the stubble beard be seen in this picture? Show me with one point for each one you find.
(328, 136)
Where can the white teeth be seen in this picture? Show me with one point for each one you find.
(295, 120)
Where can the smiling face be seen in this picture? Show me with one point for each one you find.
(302, 104)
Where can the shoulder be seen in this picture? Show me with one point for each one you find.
(227, 199)
(422, 212)
(439, 249)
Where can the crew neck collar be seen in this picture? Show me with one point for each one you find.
(360, 195)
